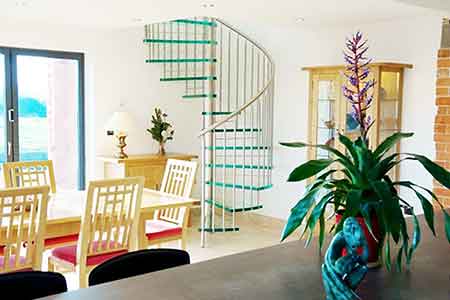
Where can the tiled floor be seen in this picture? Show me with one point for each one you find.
(255, 232)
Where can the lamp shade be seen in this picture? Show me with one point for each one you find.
(121, 122)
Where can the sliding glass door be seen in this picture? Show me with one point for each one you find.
(43, 115)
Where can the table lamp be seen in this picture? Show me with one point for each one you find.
(119, 125)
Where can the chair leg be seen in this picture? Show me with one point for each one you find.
(82, 276)
(50, 265)
(182, 243)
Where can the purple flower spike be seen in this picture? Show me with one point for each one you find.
(359, 88)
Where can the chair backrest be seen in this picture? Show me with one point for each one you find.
(32, 285)
(137, 263)
(29, 173)
(111, 217)
(23, 216)
(178, 180)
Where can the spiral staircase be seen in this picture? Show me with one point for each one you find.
(234, 78)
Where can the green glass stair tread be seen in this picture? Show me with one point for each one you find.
(189, 78)
(181, 60)
(232, 166)
(195, 22)
(161, 41)
(237, 148)
(237, 130)
(199, 96)
(216, 113)
(230, 209)
(218, 229)
(239, 186)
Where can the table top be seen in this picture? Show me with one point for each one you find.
(68, 206)
(286, 271)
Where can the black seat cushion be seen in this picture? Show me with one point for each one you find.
(137, 263)
(31, 285)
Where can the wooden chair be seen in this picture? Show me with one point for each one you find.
(108, 228)
(23, 215)
(29, 173)
(171, 224)
(36, 173)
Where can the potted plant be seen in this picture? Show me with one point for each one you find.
(363, 187)
(162, 131)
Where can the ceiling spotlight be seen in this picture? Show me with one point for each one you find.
(208, 5)
(300, 19)
(21, 3)
(137, 20)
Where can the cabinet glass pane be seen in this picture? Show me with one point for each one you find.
(389, 103)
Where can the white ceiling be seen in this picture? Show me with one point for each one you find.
(127, 13)
(436, 4)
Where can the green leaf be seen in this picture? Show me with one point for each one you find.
(349, 146)
(447, 225)
(387, 253)
(389, 142)
(323, 147)
(428, 211)
(399, 259)
(318, 210)
(438, 172)
(415, 239)
(390, 208)
(366, 213)
(299, 212)
(321, 231)
(309, 169)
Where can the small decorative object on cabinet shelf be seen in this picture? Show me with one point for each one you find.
(161, 130)
(341, 274)
(355, 182)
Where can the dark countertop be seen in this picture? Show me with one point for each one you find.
(286, 271)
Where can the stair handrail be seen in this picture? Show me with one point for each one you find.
(253, 99)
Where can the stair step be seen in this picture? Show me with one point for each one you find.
(239, 186)
(230, 209)
(181, 60)
(189, 78)
(216, 113)
(195, 22)
(232, 166)
(199, 96)
(226, 229)
(237, 148)
(160, 41)
(237, 130)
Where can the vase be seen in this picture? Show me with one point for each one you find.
(373, 244)
(161, 151)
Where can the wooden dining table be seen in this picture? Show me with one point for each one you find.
(66, 207)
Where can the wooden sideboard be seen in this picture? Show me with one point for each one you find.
(151, 166)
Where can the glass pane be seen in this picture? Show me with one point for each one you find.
(48, 102)
(3, 135)
(326, 115)
(389, 101)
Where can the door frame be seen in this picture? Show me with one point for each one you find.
(11, 54)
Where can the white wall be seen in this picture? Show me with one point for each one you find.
(415, 41)
(116, 74)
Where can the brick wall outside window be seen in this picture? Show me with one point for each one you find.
(442, 121)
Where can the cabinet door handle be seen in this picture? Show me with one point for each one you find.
(11, 115)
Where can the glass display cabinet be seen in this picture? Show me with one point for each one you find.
(330, 112)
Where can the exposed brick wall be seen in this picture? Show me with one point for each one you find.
(442, 121)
